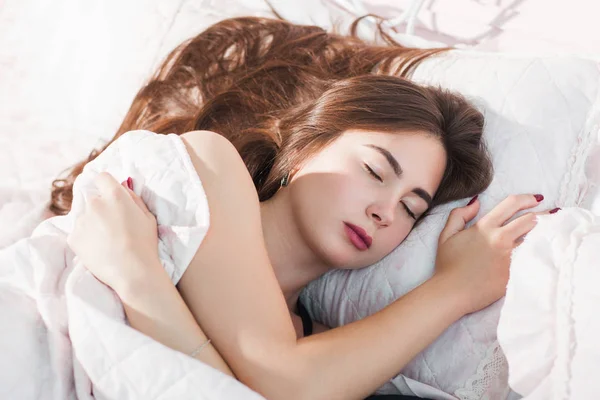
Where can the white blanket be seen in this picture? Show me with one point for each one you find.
(64, 335)
(550, 323)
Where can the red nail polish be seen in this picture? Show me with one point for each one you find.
(130, 183)
(554, 210)
(473, 200)
(538, 197)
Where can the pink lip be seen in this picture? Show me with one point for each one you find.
(358, 236)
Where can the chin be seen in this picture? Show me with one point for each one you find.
(334, 256)
(337, 253)
(346, 257)
(336, 261)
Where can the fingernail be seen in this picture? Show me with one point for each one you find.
(130, 183)
(473, 200)
(538, 197)
(554, 210)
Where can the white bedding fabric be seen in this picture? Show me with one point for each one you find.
(67, 84)
(67, 337)
(549, 325)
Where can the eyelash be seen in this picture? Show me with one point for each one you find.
(374, 175)
(370, 170)
(410, 213)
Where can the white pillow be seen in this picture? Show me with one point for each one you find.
(540, 126)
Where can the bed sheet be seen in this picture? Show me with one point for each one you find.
(524, 26)
(66, 84)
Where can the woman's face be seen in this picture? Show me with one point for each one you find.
(357, 199)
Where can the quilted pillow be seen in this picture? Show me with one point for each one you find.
(541, 123)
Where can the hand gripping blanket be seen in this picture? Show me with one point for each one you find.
(64, 335)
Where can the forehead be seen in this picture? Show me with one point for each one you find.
(397, 143)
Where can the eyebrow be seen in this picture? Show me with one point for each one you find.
(398, 171)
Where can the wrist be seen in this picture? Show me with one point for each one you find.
(455, 299)
(147, 279)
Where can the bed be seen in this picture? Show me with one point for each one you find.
(70, 70)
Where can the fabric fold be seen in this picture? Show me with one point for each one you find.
(549, 326)
(68, 336)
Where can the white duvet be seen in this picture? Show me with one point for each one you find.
(550, 323)
(64, 335)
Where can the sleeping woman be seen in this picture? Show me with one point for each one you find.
(315, 153)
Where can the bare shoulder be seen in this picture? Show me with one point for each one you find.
(206, 143)
(212, 152)
(230, 286)
(221, 170)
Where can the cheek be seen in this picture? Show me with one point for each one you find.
(321, 199)
(322, 192)
(395, 236)
(337, 191)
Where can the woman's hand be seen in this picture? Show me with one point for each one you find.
(116, 236)
(477, 259)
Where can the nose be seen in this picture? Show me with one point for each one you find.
(383, 215)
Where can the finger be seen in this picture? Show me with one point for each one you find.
(509, 207)
(458, 219)
(107, 185)
(137, 199)
(91, 204)
(517, 229)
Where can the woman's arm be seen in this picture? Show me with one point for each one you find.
(233, 293)
(156, 309)
(116, 239)
(349, 362)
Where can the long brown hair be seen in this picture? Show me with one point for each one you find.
(281, 92)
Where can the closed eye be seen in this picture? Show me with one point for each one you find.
(373, 174)
(410, 213)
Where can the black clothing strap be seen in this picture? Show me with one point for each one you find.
(307, 324)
